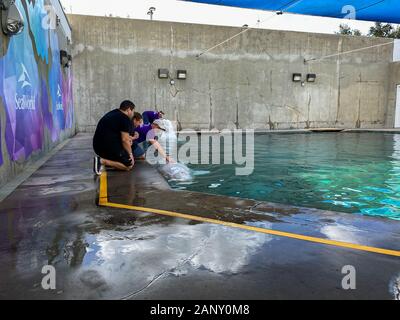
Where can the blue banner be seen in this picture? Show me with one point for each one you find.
(34, 98)
(56, 86)
(368, 10)
(20, 93)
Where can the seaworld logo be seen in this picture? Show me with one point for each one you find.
(23, 101)
(59, 99)
(24, 79)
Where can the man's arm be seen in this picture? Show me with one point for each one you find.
(127, 143)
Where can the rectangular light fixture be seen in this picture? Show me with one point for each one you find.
(163, 73)
(297, 77)
(181, 75)
(312, 77)
(64, 59)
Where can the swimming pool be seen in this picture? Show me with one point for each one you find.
(345, 172)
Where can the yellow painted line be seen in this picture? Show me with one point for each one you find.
(103, 195)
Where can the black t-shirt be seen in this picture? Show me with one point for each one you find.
(107, 137)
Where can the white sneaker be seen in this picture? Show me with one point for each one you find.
(97, 166)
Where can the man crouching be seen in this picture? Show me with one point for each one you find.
(112, 142)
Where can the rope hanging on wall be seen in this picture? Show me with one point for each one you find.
(279, 12)
(347, 52)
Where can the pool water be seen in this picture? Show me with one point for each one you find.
(345, 172)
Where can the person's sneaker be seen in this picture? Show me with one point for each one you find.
(97, 165)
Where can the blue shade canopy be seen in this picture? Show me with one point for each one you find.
(368, 10)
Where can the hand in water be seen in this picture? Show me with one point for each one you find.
(170, 160)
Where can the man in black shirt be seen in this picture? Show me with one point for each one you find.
(112, 142)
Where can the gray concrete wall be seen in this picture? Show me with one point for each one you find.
(246, 83)
(16, 124)
(394, 81)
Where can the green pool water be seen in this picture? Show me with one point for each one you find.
(346, 172)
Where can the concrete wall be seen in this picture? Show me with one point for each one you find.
(394, 81)
(246, 83)
(36, 104)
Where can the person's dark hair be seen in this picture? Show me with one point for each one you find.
(137, 116)
(125, 105)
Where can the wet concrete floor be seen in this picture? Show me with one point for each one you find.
(110, 253)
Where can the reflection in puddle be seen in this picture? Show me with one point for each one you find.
(114, 262)
(215, 248)
(133, 260)
(395, 288)
(343, 233)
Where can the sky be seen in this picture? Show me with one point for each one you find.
(182, 11)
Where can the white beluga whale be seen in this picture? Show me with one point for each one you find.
(176, 172)
(172, 171)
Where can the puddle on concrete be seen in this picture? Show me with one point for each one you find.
(395, 288)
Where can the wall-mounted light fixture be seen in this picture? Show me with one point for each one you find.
(311, 77)
(181, 75)
(297, 77)
(65, 59)
(163, 73)
(12, 21)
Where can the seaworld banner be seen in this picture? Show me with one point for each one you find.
(368, 10)
(35, 90)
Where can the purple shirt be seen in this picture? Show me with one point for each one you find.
(143, 130)
(150, 116)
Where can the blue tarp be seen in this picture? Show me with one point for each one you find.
(368, 10)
